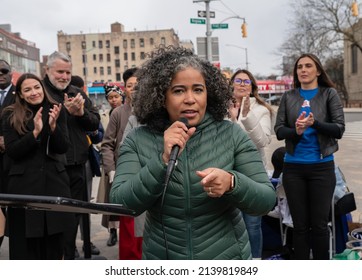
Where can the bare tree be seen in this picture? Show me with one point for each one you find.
(321, 27)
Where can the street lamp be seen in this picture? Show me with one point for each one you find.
(246, 54)
(244, 31)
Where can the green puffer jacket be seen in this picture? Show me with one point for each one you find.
(196, 226)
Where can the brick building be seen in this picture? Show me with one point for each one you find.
(22, 55)
(103, 57)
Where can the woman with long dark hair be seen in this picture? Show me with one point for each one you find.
(254, 116)
(36, 139)
(310, 119)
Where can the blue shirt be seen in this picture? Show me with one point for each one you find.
(307, 150)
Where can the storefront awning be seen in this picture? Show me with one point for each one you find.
(96, 90)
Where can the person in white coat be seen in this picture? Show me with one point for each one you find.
(254, 115)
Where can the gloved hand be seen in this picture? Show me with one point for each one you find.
(111, 176)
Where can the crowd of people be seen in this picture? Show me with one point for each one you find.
(181, 145)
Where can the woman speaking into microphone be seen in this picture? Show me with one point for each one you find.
(193, 210)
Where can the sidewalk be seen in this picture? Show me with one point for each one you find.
(349, 158)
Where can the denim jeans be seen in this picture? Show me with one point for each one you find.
(253, 226)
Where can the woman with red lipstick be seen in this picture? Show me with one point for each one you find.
(194, 211)
(310, 118)
(36, 139)
(254, 116)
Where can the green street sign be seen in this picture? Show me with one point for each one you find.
(220, 26)
(198, 20)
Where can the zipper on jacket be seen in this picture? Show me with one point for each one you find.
(189, 245)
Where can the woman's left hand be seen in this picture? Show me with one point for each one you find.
(215, 181)
(53, 116)
(304, 122)
(246, 106)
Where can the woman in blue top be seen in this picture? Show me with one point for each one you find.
(310, 118)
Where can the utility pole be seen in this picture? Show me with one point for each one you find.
(208, 28)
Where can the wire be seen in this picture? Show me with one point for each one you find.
(167, 180)
(230, 10)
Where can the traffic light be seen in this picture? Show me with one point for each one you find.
(243, 30)
(354, 9)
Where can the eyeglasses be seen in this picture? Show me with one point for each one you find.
(4, 71)
(240, 81)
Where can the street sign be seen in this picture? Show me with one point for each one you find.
(198, 20)
(203, 14)
(201, 43)
(219, 26)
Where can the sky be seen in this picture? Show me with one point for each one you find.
(39, 21)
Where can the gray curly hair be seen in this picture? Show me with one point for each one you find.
(154, 79)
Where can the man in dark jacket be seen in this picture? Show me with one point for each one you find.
(82, 117)
(6, 98)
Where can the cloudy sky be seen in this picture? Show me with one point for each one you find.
(39, 20)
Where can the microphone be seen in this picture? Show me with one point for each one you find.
(174, 151)
(170, 167)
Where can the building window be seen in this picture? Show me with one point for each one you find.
(67, 45)
(93, 44)
(125, 44)
(94, 57)
(117, 63)
(116, 50)
(133, 56)
(100, 44)
(163, 41)
(108, 44)
(101, 58)
(101, 70)
(132, 44)
(142, 43)
(151, 41)
(143, 56)
(84, 58)
(125, 56)
(109, 70)
(118, 76)
(354, 65)
(94, 70)
(84, 45)
(108, 57)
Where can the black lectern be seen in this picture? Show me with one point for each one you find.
(63, 204)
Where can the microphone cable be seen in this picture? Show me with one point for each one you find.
(169, 171)
(170, 168)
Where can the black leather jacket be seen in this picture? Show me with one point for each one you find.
(328, 114)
